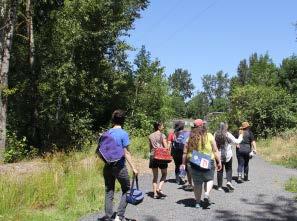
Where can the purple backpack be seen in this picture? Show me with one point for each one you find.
(108, 149)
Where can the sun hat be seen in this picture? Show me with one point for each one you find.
(198, 122)
(244, 125)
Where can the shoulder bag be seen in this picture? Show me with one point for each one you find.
(162, 154)
(134, 196)
(200, 160)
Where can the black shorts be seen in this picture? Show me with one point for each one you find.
(157, 164)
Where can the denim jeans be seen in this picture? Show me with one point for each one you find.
(111, 173)
(243, 163)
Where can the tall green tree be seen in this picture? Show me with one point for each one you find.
(243, 72)
(217, 88)
(81, 68)
(263, 70)
(151, 100)
(288, 74)
(181, 83)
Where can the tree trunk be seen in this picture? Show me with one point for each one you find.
(4, 68)
(3, 17)
(30, 33)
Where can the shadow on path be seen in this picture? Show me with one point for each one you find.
(282, 209)
(190, 202)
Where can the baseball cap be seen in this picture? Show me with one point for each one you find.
(198, 122)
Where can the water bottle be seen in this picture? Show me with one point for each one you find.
(182, 173)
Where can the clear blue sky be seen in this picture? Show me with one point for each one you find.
(205, 36)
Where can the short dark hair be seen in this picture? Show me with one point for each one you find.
(157, 124)
(118, 117)
(179, 125)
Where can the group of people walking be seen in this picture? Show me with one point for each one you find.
(186, 149)
(186, 146)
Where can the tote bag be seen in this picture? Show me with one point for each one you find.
(200, 160)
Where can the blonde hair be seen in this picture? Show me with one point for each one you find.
(198, 138)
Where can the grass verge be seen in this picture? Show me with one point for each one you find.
(68, 189)
(279, 150)
(291, 186)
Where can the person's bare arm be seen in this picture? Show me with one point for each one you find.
(129, 160)
(165, 144)
(254, 146)
(216, 154)
(185, 152)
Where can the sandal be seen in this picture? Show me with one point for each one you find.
(160, 193)
(157, 197)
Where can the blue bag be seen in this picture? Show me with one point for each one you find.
(108, 149)
(134, 196)
(180, 140)
(200, 160)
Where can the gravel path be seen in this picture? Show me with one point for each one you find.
(261, 198)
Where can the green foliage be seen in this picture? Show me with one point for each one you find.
(67, 190)
(81, 72)
(198, 106)
(140, 147)
(291, 185)
(269, 109)
(179, 107)
(216, 86)
(18, 149)
(214, 121)
(181, 83)
(288, 74)
(259, 70)
(140, 125)
(262, 70)
(151, 101)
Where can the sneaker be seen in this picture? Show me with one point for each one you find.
(197, 205)
(220, 189)
(160, 193)
(246, 177)
(188, 187)
(104, 218)
(230, 186)
(239, 180)
(117, 218)
(206, 199)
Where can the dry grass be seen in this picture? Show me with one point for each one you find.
(280, 150)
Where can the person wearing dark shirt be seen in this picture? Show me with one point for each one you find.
(247, 145)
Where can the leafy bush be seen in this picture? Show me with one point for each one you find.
(17, 149)
(140, 147)
(269, 109)
(139, 125)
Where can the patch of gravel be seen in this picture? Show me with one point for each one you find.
(262, 198)
(23, 168)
